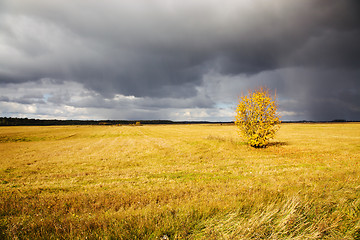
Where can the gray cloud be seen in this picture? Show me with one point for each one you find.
(171, 55)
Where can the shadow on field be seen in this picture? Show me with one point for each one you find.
(277, 144)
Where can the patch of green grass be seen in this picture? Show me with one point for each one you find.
(4, 139)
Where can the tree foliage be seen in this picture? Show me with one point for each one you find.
(257, 118)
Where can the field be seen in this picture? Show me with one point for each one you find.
(179, 182)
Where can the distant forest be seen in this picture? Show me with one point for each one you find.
(10, 121)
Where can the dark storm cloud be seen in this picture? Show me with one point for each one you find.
(160, 51)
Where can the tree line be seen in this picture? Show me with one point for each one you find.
(10, 121)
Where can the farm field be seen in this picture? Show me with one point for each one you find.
(179, 182)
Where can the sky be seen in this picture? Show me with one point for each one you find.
(178, 60)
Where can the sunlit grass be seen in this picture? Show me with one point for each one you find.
(179, 181)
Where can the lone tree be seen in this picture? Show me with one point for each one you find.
(257, 118)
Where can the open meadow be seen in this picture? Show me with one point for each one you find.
(179, 182)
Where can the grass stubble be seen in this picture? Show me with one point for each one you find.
(179, 182)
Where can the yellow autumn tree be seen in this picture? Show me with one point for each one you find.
(257, 117)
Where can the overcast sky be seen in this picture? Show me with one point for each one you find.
(178, 59)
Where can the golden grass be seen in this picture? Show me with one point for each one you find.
(179, 182)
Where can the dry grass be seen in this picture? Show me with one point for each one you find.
(179, 182)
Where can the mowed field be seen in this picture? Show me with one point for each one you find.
(179, 182)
